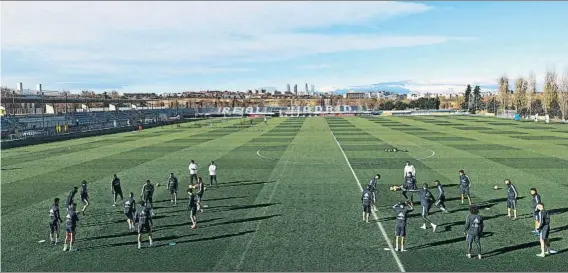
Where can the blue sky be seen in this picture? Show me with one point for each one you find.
(178, 46)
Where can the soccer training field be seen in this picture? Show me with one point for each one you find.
(288, 199)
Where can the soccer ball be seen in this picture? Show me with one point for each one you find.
(496, 187)
(392, 188)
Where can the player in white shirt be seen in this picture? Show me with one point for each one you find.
(212, 174)
(409, 168)
(192, 171)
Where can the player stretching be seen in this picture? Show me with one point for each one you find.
(143, 218)
(409, 168)
(129, 210)
(465, 185)
(441, 197)
(212, 174)
(70, 227)
(192, 206)
(147, 195)
(409, 186)
(426, 200)
(55, 220)
(200, 188)
(535, 201)
(84, 196)
(192, 171)
(173, 188)
(512, 196)
(70, 196)
(366, 199)
(116, 189)
(473, 230)
(544, 230)
(373, 189)
(402, 211)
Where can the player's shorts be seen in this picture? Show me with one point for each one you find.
(129, 215)
(54, 226)
(173, 190)
(511, 203)
(192, 211)
(440, 201)
(144, 228)
(426, 210)
(367, 208)
(85, 199)
(200, 196)
(70, 229)
(400, 230)
(117, 191)
(544, 232)
(464, 190)
(470, 238)
(148, 198)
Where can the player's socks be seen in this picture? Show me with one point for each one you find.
(139, 245)
(479, 256)
(468, 255)
(541, 255)
(151, 242)
(423, 226)
(64, 247)
(433, 227)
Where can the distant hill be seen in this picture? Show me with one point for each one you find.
(406, 87)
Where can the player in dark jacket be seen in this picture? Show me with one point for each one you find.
(473, 230)
(440, 202)
(129, 210)
(116, 189)
(544, 229)
(402, 211)
(535, 201)
(366, 200)
(143, 219)
(54, 221)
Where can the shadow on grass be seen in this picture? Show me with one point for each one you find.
(103, 223)
(187, 223)
(208, 238)
(226, 198)
(134, 242)
(240, 207)
(109, 236)
(557, 211)
(507, 249)
(559, 229)
(451, 241)
(251, 219)
(11, 169)
(246, 184)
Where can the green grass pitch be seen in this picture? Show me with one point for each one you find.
(288, 199)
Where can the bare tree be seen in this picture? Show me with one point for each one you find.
(531, 91)
(520, 95)
(563, 95)
(550, 91)
(503, 92)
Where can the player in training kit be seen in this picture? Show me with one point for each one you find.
(116, 189)
(367, 200)
(84, 196)
(129, 210)
(148, 194)
(426, 200)
(173, 188)
(402, 211)
(200, 188)
(473, 230)
(192, 171)
(441, 197)
(544, 230)
(512, 196)
(192, 206)
(70, 196)
(212, 174)
(408, 186)
(54, 221)
(70, 227)
(465, 185)
(409, 168)
(373, 185)
(143, 219)
(535, 201)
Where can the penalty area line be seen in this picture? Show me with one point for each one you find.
(384, 233)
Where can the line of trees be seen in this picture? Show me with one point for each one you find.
(525, 100)
(421, 103)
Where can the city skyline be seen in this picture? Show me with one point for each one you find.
(422, 46)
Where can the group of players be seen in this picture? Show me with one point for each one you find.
(473, 229)
(140, 219)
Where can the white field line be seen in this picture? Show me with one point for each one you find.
(385, 236)
(263, 213)
(431, 155)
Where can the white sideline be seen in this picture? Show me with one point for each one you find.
(397, 260)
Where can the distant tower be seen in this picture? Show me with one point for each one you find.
(20, 87)
(288, 88)
(307, 90)
(295, 89)
(313, 88)
(39, 88)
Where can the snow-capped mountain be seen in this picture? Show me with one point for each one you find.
(406, 87)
